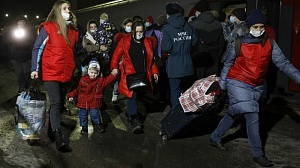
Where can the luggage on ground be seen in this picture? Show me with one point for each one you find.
(201, 101)
(201, 94)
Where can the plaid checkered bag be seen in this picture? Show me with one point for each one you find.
(195, 99)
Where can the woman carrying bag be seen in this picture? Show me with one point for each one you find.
(54, 51)
(137, 52)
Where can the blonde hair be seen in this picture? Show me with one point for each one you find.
(104, 16)
(55, 16)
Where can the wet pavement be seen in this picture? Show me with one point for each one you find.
(119, 148)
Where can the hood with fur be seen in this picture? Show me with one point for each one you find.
(88, 26)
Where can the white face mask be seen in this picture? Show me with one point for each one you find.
(147, 24)
(66, 16)
(257, 33)
(197, 13)
(92, 30)
(139, 36)
(128, 29)
(232, 20)
(68, 22)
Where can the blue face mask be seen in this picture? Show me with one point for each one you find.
(138, 37)
(232, 20)
(128, 29)
(147, 24)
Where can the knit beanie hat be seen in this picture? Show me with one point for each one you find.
(173, 8)
(202, 6)
(255, 17)
(94, 64)
(162, 20)
(222, 16)
(239, 13)
(104, 16)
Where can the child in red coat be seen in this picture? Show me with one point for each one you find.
(89, 95)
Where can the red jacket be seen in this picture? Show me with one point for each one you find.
(252, 63)
(58, 63)
(89, 92)
(127, 67)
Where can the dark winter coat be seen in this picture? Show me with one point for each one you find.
(21, 48)
(178, 38)
(210, 31)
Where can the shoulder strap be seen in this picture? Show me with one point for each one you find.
(271, 42)
(238, 45)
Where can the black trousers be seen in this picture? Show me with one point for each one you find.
(23, 70)
(56, 92)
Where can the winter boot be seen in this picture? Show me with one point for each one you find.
(99, 128)
(49, 130)
(84, 130)
(61, 145)
(50, 133)
(135, 124)
(263, 161)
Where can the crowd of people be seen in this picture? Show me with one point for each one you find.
(166, 52)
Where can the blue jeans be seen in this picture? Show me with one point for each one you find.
(252, 122)
(132, 105)
(94, 114)
(57, 92)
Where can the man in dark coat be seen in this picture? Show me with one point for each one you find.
(210, 34)
(177, 39)
(22, 39)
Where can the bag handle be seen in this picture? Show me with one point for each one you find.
(34, 85)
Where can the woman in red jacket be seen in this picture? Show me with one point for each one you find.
(57, 61)
(137, 52)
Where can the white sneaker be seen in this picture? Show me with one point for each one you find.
(114, 98)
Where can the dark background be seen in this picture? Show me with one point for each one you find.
(17, 8)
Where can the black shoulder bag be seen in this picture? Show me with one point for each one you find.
(136, 81)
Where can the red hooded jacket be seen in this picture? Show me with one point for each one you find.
(89, 92)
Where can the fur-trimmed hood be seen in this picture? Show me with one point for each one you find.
(119, 36)
(88, 26)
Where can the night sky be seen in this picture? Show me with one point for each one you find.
(32, 8)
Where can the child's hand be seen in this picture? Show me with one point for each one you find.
(71, 99)
(114, 72)
(155, 78)
(103, 47)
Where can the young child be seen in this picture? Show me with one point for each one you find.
(89, 95)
